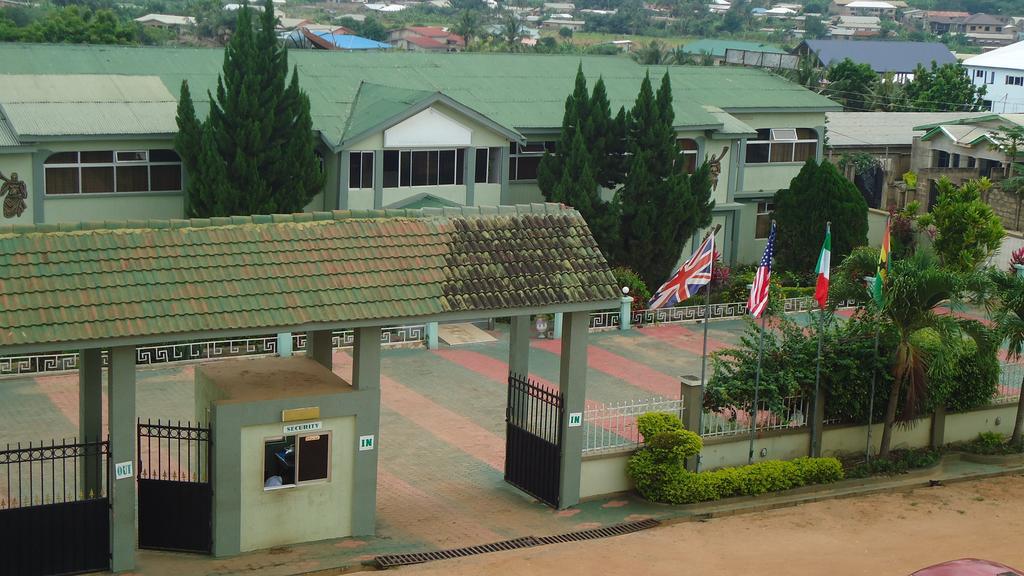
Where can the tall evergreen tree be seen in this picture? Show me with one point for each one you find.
(259, 127)
(661, 207)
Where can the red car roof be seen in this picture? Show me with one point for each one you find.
(968, 567)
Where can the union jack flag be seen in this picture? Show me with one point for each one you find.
(758, 301)
(688, 279)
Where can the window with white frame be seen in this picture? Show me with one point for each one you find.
(488, 166)
(110, 171)
(763, 224)
(523, 161)
(360, 170)
(778, 145)
(296, 460)
(1015, 80)
(688, 148)
(406, 168)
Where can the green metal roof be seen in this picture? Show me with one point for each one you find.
(39, 106)
(375, 104)
(718, 47)
(515, 90)
(75, 283)
(7, 136)
(731, 126)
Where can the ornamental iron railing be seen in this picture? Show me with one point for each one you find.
(613, 426)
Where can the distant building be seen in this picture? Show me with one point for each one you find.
(559, 7)
(898, 58)
(331, 40)
(717, 49)
(167, 21)
(1001, 72)
(426, 39)
(856, 26)
(883, 10)
(558, 24)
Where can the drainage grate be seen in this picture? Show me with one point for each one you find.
(393, 560)
(592, 534)
(421, 557)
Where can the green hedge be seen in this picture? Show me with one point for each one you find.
(657, 470)
(662, 482)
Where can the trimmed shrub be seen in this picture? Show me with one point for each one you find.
(653, 423)
(819, 470)
(674, 445)
(627, 278)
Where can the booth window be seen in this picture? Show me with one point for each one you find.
(108, 171)
(688, 148)
(298, 459)
(763, 223)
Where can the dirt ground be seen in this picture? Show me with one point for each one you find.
(887, 534)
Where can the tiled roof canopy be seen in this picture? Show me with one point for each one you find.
(68, 284)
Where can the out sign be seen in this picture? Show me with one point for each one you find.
(123, 470)
(366, 443)
(575, 419)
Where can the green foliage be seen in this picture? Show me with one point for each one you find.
(818, 194)
(896, 462)
(653, 423)
(967, 229)
(989, 444)
(945, 88)
(370, 28)
(73, 25)
(1006, 304)
(962, 375)
(674, 445)
(851, 84)
(989, 439)
(624, 277)
(662, 483)
(256, 151)
(910, 179)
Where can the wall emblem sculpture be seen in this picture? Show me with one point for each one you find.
(14, 192)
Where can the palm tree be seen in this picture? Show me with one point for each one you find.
(468, 26)
(916, 287)
(1007, 308)
(653, 53)
(511, 29)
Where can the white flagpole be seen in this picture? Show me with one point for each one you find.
(757, 377)
(815, 448)
(704, 351)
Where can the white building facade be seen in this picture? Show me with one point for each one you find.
(1001, 72)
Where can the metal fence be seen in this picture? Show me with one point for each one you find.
(697, 313)
(613, 426)
(731, 421)
(202, 350)
(1010, 377)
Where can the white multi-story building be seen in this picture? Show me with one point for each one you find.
(1001, 72)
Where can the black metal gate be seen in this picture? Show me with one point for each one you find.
(54, 510)
(175, 495)
(533, 438)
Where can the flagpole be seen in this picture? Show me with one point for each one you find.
(757, 389)
(704, 351)
(815, 447)
(871, 399)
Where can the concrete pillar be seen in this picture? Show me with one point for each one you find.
(693, 406)
(939, 427)
(284, 344)
(432, 335)
(320, 348)
(572, 382)
(90, 415)
(122, 424)
(469, 175)
(366, 379)
(506, 196)
(519, 346)
(343, 172)
(625, 312)
(378, 179)
(557, 328)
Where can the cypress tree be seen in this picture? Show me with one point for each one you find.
(661, 207)
(259, 127)
(599, 134)
(190, 130)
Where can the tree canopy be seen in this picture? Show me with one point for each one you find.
(818, 194)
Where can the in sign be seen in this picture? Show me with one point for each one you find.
(123, 470)
(575, 419)
(366, 443)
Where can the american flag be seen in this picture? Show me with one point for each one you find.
(688, 279)
(758, 301)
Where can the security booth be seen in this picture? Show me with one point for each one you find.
(284, 463)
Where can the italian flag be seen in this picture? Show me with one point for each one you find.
(824, 262)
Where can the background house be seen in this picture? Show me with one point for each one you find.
(426, 39)
(1001, 72)
(888, 137)
(898, 58)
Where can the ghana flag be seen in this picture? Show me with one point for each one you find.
(882, 273)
